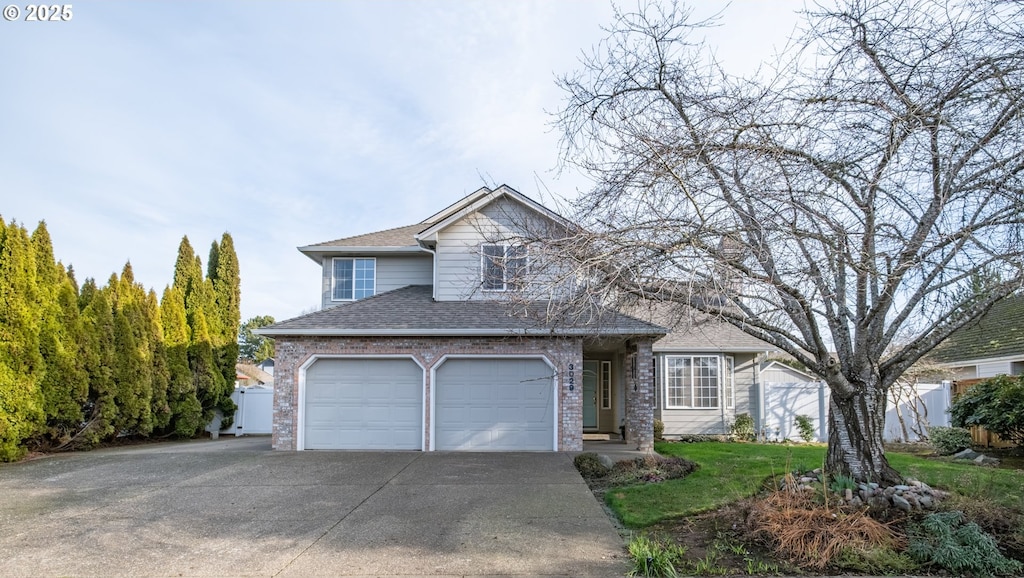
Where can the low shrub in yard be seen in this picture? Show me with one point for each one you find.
(659, 430)
(805, 425)
(743, 427)
(590, 466)
(943, 539)
(949, 440)
(875, 561)
(650, 469)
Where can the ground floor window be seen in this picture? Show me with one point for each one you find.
(698, 381)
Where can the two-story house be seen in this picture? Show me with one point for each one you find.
(417, 346)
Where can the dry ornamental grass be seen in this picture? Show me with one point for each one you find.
(811, 534)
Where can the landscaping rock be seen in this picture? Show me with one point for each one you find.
(914, 495)
(967, 454)
(878, 503)
(984, 460)
(606, 461)
(901, 503)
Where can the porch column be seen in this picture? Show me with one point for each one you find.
(640, 396)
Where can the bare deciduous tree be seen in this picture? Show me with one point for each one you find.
(835, 206)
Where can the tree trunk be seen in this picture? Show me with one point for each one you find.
(855, 428)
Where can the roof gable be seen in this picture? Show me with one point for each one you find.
(476, 201)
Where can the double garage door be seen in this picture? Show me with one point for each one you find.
(481, 404)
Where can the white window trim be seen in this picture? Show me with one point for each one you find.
(605, 381)
(721, 382)
(729, 375)
(353, 259)
(505, 285)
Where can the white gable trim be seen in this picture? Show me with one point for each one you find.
(476, 201)
(785, 367)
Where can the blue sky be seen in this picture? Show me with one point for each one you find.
(288, 124)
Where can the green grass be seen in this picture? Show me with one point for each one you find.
(728, 472)
(1002, 487)
(733, 471)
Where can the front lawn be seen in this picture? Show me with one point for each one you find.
(732, 471)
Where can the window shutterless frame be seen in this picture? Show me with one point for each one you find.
(695, 381)
(502, 267)
(353, 278)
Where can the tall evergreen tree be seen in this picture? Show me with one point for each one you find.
(101, 355)
(186, 411)
(227, 300)
(64, 384)
(86, 293)
(21, 365)
(160, 373)
(133, 374)
(132, 388)
(210, 387)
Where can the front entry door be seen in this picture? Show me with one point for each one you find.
(590, 394)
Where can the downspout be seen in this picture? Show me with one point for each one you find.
(433, 267)
(760, 400)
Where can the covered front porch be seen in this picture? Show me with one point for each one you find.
(617, 392)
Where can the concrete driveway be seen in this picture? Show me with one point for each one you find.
(232, 507)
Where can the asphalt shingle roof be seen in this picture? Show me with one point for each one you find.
(692, 331)
(998, 333)
(412, 311)
(397, 237)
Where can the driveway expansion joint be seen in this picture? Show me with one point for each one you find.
(347, 514)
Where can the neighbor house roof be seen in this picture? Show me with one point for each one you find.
(412, 311)
(998, 333)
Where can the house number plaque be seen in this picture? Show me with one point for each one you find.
(572, 377)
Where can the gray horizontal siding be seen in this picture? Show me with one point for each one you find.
(712, 421)
(391, 273)
(458, 248)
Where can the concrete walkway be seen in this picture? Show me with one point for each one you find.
(232, 507)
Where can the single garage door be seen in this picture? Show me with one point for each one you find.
(494, 405)
(364, 404)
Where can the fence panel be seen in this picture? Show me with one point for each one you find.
(912, 408)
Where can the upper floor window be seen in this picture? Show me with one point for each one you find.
(353, 278)
(694, 381)
(503, 267)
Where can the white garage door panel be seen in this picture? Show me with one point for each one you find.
(364, 404)
(494, 405)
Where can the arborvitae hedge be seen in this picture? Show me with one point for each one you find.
(82, 366)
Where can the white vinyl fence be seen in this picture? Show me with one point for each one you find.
(255, 413)
(911, 409)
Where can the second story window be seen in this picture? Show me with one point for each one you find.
(353, 278)
(503, 267)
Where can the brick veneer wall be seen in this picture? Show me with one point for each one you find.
(640, 397)
(293, 352)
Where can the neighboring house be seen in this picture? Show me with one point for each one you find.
(267, 366)
(252, 376)
(417, 345)
(991, 346)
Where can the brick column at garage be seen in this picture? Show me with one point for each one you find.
(640, 396)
